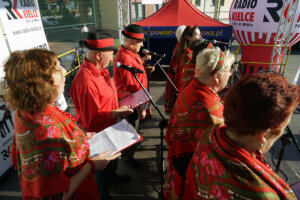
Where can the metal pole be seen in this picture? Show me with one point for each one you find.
(94, 12)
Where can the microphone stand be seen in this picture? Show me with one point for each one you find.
(163, 123)
(286, 139)
(157, 62)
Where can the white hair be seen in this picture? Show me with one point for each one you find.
(207, 61)
(179, 32)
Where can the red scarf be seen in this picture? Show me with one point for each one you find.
(220, 169)
(48, 148)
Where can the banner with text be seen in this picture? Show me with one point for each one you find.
(152, 2)
(22, 24)
(256, 21)
(4, 53)
(218, 33)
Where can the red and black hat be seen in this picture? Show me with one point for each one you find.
(100, 40)
(134, 31)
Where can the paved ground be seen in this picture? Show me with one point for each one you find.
(145, 182)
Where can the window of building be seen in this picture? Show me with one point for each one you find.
(198, 3)
(214, 2)
(157, 7)
(137, 11)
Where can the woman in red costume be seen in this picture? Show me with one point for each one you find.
(198, 106)
(170, 92)
(185, 69)
(228, 162)
(50, 151)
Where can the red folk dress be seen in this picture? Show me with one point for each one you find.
(221, 170)
(125, 81)
(48, 148)
(170, 92)
(184, 70)
(197, 107)
(94, 96)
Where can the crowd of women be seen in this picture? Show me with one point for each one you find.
(215, 145)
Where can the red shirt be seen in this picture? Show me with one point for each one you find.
(124, 80)
(94, 96)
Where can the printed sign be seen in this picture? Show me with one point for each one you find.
(256, 21)
(3, 55)
(169, 32)
(22, 24)
(152, 2)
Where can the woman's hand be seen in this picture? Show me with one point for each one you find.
(102, 160)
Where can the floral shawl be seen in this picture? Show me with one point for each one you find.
(221, 170)
(197, 107)
(188, 69)
(48, 148)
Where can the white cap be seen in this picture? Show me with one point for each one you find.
(179, 32)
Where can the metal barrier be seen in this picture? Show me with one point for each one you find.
(264, 63)
(71, 68)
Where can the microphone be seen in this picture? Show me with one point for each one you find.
(215, 41)
(129, 68)
(146, 52)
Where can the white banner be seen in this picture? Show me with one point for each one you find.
(256, 21)
(22, 24)
(3, 55)
(152, 1)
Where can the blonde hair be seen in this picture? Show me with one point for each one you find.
(207, 60)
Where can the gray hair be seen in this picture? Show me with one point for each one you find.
(126, 40)
(207, 60)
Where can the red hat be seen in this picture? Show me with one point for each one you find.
(100, 40)
(134, 31)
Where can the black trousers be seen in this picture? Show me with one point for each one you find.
(104, 179)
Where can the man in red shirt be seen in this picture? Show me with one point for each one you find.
(95, 96)
(126, 83)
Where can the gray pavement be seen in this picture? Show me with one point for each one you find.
(145, 182)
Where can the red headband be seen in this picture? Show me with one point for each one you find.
(135, 35)
(101, 43)
(219, 65)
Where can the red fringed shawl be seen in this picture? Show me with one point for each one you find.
(48, 148)
(221, 170)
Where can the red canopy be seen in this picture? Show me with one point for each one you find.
(179, 12)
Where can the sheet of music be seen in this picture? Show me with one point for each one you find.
(137, 98)
(114, 138)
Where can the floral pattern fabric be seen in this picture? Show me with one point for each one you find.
(197, 107)
(221, 170)
(48, 148)
(184, 70)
